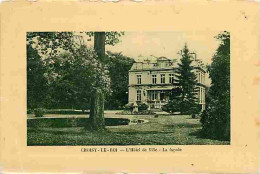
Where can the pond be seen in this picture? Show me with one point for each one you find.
(78, 122)
(71, 122)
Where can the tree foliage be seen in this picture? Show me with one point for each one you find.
(75, 78)
(36, 81)
(118, 66)
(79, 78)
(71, 70)
(216, 117)
(52, 43)
(174, 100)
(187, 83)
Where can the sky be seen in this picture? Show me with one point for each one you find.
(168, 44)
(139, 45)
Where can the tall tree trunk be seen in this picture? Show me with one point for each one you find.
(99, 44)
(97, 121)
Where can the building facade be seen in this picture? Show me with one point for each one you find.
(150, 81)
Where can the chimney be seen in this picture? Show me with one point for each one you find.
(195, 55)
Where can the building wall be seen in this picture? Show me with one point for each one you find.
(131, 95)
(201, 88)
(133, 86)
(146, 82)
(147, 76)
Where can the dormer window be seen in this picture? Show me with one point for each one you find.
(162, 65)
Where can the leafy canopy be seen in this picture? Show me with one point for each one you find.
(216, 118)
(71, 70)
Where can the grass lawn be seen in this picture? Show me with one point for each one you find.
(164, 130)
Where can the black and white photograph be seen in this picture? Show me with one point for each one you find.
(105, 88)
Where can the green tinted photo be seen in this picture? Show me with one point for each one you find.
(128, 88)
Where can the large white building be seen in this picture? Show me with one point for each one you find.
(150, 80)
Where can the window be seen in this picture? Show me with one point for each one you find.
(162, 95)
(200, 78)
(162, 78)
(162, 65)
(154, 79)
(139, 79)
(154, 95)
(200, 95)
(171, 78)
(139, 95)
(203, 97)
(203, 78)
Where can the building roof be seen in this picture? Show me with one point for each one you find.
(152, 62)
(156, 63)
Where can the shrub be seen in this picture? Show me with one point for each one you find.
(66, 111)
(129, 107)
(142, 107)
(165, 108)
(39, 112)
(194, 109)
(216, 123)
(146, 112)
(208, 124)
(172, 106)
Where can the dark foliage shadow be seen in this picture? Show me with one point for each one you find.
(105, 132)
(192, 118)
(199, 134)
(183, 125)
(56, 132)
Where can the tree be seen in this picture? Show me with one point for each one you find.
(36, 81)
(187, 82)
(118, 66)
(97, 121)
(174, 100)
(50, 44)
(216, 118)
(74, 81)
(96, 118)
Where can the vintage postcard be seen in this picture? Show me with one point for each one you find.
(104, 87)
